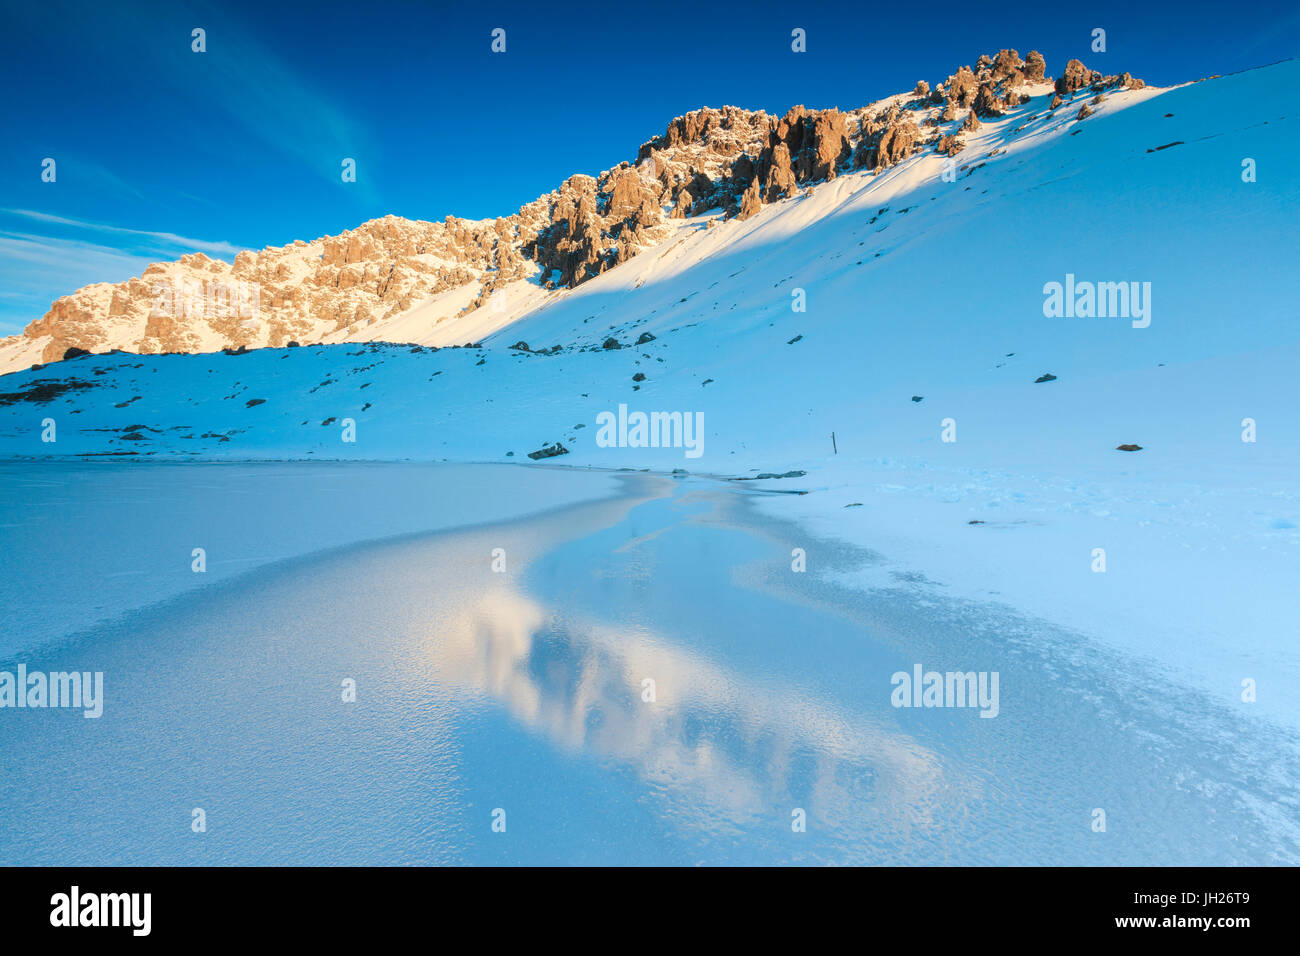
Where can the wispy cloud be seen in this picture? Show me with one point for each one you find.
(36, 270)
(95, 262)
(164, 243)
(38, 267)
(271, 101)
(277, 104)
(247, 78)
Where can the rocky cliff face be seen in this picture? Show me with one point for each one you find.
(727, 159)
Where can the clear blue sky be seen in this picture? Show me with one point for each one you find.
(160, 150)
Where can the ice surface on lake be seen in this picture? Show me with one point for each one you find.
(523, 691)
(83, 542)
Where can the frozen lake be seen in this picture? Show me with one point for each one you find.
(501, 674)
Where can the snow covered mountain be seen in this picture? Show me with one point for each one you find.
(901, 273)
(904, 276)
(398, 279)
(945, 358)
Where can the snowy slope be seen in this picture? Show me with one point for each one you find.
(914, 287)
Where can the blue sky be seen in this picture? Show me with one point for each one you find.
(161, 150)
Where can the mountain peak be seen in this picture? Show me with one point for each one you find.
(355, 284)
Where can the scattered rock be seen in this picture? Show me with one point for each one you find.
(1128, 447)
(770, 476)
(611, 344)
(548, 451)
(42, 392)
(254, 401)
(1045, 377)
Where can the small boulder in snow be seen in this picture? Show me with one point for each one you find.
(548, 451)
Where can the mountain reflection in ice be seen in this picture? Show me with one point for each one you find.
(523, 691)
(717, 743)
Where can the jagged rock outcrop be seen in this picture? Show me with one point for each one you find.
(827, 148)
(751, 202)
(949, 145)
(729, 159)
(779, 179)
(1006, 65)
(960, 88)
(1124, 81)
(986, 103)
(896, 144)
(1035, 68)
(1075, 77)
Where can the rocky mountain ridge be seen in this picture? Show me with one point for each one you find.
(352, 284)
